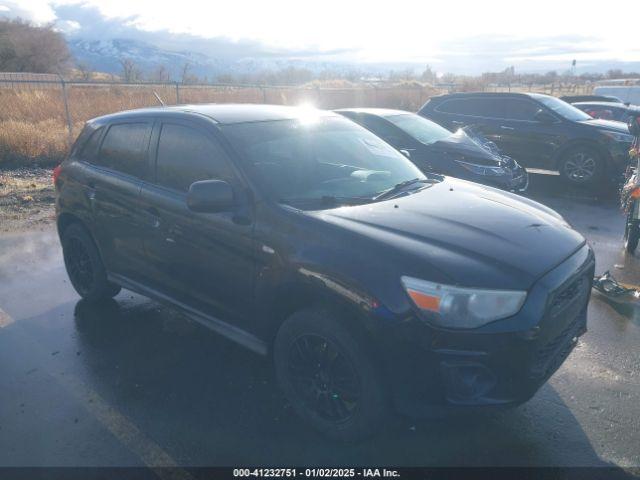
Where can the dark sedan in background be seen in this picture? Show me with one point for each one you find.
(609, 111)
(590, 98)
(541, 132)
(433, 148)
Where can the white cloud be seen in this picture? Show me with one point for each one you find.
(38, 11)
(403, 30)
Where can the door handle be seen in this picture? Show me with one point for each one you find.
(91, 194)
(154, 219)
(504, 127)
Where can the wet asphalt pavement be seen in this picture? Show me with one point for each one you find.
(132, 383)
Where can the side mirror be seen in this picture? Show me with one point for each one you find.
(544, 117)
(210, 196)
(405, 152)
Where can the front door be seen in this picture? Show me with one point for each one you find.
(205, 260)
(522, 136)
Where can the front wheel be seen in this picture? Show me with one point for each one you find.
(631, 232)
(582, 166)
(328, 375)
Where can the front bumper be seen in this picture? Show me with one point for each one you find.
(501, 364)
(619, 152)
(516, 180)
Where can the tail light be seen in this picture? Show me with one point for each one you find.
(56, 174)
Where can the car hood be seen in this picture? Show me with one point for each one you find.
(610, 125)
(473, 235)
(464, 148)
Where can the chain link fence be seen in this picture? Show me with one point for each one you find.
(41, 113)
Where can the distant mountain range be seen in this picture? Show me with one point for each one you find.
(106, 56)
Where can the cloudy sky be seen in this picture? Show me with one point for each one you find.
(458, 36)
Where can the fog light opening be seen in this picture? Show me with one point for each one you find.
(467, 382)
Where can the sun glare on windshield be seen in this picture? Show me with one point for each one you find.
(309, 114)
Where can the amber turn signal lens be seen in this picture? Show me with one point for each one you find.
(424, 301)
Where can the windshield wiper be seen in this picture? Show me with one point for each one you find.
(398, 188)
(327, 201)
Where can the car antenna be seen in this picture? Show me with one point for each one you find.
(158, 98)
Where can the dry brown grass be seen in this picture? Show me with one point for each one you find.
(33, 129)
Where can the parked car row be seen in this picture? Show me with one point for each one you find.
(371, 283)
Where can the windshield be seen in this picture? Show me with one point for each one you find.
(420, 128)
(331, 157)
(562, 108)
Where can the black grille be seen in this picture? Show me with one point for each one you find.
(566, 296)
(550, 356)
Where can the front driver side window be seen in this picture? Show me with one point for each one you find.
(521, 110)
(389, 133)
(187, 155)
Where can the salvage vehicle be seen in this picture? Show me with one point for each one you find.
(307, 239)
(609, 111)
(541, 132)
(433, 148)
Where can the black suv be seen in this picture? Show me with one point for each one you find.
(306, 238)
(539, 132)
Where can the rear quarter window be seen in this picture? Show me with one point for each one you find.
(125, 148)
(88, 150)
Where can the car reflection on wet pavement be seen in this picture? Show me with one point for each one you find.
(132, 383)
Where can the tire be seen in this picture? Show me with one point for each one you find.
(631, 233)
(343, 398)
(582, 166)
(84, 265)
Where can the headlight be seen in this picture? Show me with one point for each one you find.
(619, 137)
(456, 307)
(482, 169)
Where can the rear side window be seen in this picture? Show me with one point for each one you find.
(476, 107)
(186, 155)
(124, 148)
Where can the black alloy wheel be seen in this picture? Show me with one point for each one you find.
(324, 378)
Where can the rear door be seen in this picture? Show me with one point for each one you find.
(112, 185)
(203, 259)
(526, 139)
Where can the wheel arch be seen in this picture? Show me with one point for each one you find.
(583, 142)
(294, 296)
(65, 219)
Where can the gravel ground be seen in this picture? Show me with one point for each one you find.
(26, 199)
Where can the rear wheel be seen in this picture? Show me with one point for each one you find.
(582, 166)
(84, 265)
(328, 376)
(631, 233)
